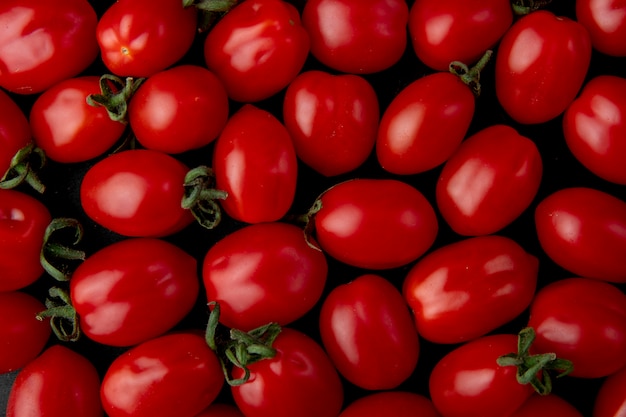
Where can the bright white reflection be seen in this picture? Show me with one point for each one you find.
(122, 384)
(306, 103)
(27, 48)
(435, 298)
(567, 226)
(162, 106)
(498, 264)
(128, 190)
(471, 383)
(64, 125)
(608, 18)
(248, 47)
(236, 270)
(331, 17)
(404, 127)
(343, 324)
(438, 28)
(469, 185)
(559, 332)
(344, 221)
(525, 51)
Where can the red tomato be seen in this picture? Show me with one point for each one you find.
(541, 64)
(58, 383)
(357, 36)
(43, 43)
(581, 230)
(221, 410)
(353, 314)
(299, 381)
(611, 398)
(176, 374)
(179, 109)
(439, 30)
(255, 163)
(546, 406)
(375, 223)
(136, 193)
(264, 273)
(15, 131)
(584, 321)
(332, 119)
(466, 289)
(257, 48)
(489, 181)
(391, 403)
(142, 37)
(605, 20)
(594, 126)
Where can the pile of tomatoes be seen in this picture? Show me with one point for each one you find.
(314, 208)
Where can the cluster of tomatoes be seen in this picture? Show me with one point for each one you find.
(313, 208)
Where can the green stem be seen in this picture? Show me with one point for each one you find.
(471, 76)
(114, 96)
(22, 169)
(524, 7)
(210, 11)
(53, 252)
(201, 197)
(63, 316)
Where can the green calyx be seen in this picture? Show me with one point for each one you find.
(114, 96)
(471, 76)
(201, 197)
(63, 316)
(524, 7)
(55, 257)
(210, 11)
(24, 167)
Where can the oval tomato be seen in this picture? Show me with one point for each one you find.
(605, 20)
(581, 230)
(395, 403)
(546, 406)
(15, 131)
(489, 181)
(611, 398)
(541, 65)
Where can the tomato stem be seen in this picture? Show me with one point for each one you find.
(201, 197)
(471, 76)
(61, 312)
(114, 96)
(53, 251)
(210, 11)
(22, 170)
(524, 7)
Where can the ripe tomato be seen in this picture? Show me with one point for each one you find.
(581, 230)
(611, 398)
(375, 223)
(15, 131)
(257, 48)
(221, 410)
(175, 374)
(594, 126)
(466, 289)
(489, 181)
(605, 20)
(178, 109)
(541, 65)
(392, 403)
(254, 161)
(43, 43)
(299, 381)
(58, 383)
(546, 406)
(357, 36)
(353, 314)
(332, 120)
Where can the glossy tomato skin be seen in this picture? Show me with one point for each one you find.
(605, 20)
(142, 37)
(393, 403)
(611, 398)
(357, 36)
(582, 320)
(45, 42)
(332, 120)
(58, 383)
(352, 315)
(375, 223)
(263, 273)
(136, 193)
(257, 49)
(468, 288)
(179, 109)
(489, 181)
(67, 128)
(255, 162)
(594, 126)
(579, 228)
(541, 65)
(14, 131)
(439, 30)
(23, 223)
(299, 381)
(546, 406)
(424, 124)
(175, 374)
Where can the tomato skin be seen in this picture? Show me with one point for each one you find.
(354, 313)
(611, 398)
(439, 29)
(546, 406)
(541, 65)
(579, 228)
(395, 403)
(257, 49)
(489, 181)
(14, 131)
(594, 127)
(605, 20)
(424, 124)
(58, 383)
(136, 193)
(175, 374)
(263, 273)
(582, 320)
(468, 288)
(375, 223)
(299, 381)
(254, 161)
(332, 120)
(357, 36)
(221, 410)
(45, 42)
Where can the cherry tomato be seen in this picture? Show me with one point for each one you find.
(332, 119)
(611, 398)
(15, 131)
(221, 410)
(357, 36)
(375, 223)
(489, 181)
(395, 403)
(605, 20)
(369, 307)
(254, 161)
(581, 230)
(594, 126)
(43, 43)
(58, 383)
(299, 381)
(257, 48)
(175, 374)
(541, 65)
(546, 406)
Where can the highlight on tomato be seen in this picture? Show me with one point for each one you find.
(605, 20)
